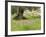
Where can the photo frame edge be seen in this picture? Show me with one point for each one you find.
(6, 18)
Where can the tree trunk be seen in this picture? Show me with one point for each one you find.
(20, 13)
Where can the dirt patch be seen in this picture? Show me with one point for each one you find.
(24, 22)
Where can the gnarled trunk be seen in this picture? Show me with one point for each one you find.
(20, 13)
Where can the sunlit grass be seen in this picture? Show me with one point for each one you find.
(36, 25)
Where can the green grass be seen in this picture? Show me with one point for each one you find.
(36, 25)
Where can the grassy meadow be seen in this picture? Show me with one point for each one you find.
(34, 24)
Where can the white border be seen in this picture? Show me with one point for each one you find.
(23, 32)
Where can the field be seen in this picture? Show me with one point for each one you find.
(34, 23)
